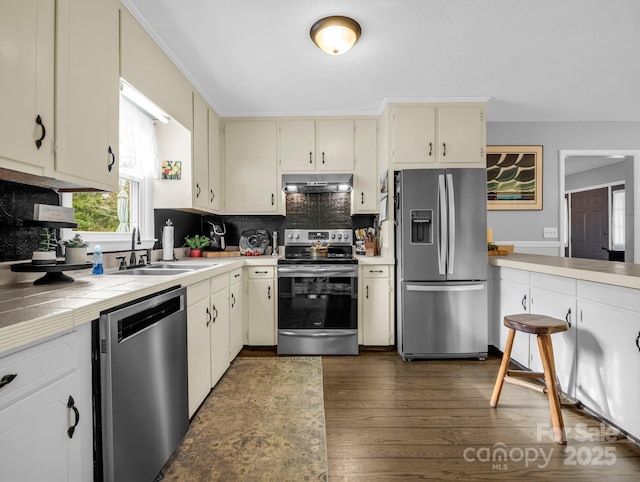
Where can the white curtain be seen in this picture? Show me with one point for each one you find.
(138, 147)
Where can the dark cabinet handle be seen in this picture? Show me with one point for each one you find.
(269, 292)
(215, 311)
(7, 379)
(273, 199)
(72, 405)
(44, 132)
(430, 149)
(113, 159)
(310, 158)
(367, 292)
(323, 158)
(376, 271)
(208, 316)
(198, 190)
(567, 318)
(362, 197)
(444, 149)
(237, 275)
(212, 195)
(233, 300)
(261, 272)
(524, 302)
(638, 341)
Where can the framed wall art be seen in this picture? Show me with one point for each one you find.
(514, 178)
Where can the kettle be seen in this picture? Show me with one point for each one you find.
(216, 235)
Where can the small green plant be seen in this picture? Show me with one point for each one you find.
(48, 241)
(75, 242)
(197, 242)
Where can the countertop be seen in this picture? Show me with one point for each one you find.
(608, 272)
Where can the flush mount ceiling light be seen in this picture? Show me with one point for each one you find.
(335, 35)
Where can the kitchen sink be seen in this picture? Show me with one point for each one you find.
(162, 269)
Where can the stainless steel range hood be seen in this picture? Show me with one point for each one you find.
(293, 183)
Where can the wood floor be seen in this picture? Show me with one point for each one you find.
(430, 419)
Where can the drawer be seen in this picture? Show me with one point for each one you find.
(235, 276)
(36, 367)
(261, 272)
(219, 282)
(197, 292)
(375, 271)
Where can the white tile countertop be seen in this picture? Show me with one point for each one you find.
(608, 272)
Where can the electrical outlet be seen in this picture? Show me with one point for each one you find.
(550, 232)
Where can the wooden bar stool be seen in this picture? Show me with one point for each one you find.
(543, 327)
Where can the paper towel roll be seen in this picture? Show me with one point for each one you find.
(167, 243)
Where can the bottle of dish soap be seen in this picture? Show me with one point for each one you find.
(97, 260)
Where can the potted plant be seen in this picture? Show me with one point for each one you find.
(46, 253)
(75, 250)
(196, 243)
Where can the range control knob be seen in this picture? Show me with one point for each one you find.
(333, 236)
(290, 236)
(346, 236)
(339, 236)
(297, 236)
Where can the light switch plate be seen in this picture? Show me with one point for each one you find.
(550, 232)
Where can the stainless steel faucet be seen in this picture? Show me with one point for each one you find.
(135, 235)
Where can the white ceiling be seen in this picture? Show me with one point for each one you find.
(543, 60)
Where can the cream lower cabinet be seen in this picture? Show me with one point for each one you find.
(219, 327)
(26, 97)
(424, 136)
(236, 316)
(262, 305)
(376, 305)
(608, 354)
(38, 407)
(199, 318)
(513, 295)
(251, 181)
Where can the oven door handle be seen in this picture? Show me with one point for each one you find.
(332, 334)
(286, 272)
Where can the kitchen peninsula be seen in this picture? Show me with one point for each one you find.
(598, 357)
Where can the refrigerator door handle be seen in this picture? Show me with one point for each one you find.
(472, 287)
(442, 223)
(451, 222)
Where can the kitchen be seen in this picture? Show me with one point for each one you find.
(227, 180)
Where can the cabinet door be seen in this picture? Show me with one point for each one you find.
(199, 352)
(250, 167)
(375, 311)
(461, 135)
(414, 140)
(27, 39)
(334, 145)
(236, 323)
(87, 92)
(297, 145)
(262, 323)
(219, 334)
(200, 181)
(563, 307)
(514, 298)
(365, 180)
(33, 435)
(215, 171)
(609, 363)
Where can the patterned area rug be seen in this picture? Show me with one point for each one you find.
(263, 421)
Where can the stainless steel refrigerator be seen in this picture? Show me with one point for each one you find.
(441, 257)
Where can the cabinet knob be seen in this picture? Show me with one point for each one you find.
(72, 405)
(44, 132)
(113, 159)
(524, 302)
(567, 318)
(215, 311)
(233, 300)
(7, 379)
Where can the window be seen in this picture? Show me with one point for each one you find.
(617, 220)
(107, 218)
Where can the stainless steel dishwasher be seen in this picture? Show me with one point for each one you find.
(140, 386)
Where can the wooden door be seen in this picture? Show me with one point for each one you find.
(590, 224)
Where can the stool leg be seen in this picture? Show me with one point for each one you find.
(504, 366)
(546, 353)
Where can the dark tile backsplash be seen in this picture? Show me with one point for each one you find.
(18, 241)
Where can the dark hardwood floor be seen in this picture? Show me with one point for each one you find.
(430, 419)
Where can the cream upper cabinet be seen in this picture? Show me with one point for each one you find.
(200, 181)
(251, 184)
(426, 136)
(26, 96)
(215, 166)
(323, 145)
(364, 198)
(87, 92)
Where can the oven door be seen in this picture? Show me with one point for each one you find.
(318, 309)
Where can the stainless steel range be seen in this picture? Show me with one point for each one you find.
(318, 293)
